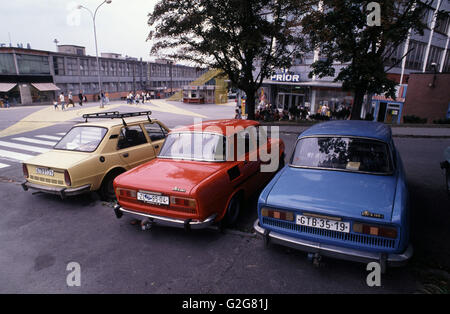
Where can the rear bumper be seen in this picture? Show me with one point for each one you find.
(166, 221)
(334, 251)
(62, 192)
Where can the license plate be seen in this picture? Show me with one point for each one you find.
(153, 199)
(321, 223)
(45, 172)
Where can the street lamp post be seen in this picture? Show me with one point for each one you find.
(94, 15)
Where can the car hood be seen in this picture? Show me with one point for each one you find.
(163, 175)
(334, 193)
(58, 159)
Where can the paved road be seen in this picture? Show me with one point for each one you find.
(40, 235)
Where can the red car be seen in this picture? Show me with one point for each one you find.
(202, 175)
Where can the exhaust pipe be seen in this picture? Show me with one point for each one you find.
(146, 224)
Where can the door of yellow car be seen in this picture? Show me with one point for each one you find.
(157, 135)
(133, 147)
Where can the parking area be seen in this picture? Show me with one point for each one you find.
(41, 234)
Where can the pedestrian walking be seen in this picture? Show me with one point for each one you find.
(55, 104)
(80, 98)
(102, 99)
(70, 97)
(62, 100)
(137, 98)
(6, 101)
(143, 97)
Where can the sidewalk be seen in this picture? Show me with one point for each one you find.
(419, 132)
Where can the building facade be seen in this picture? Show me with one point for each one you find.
(32, 76)
(429, 52)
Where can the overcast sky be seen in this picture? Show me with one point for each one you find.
(121, 26)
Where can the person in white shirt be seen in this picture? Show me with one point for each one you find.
(62, 101)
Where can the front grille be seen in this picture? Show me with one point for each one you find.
(360, 239)
(46, 180)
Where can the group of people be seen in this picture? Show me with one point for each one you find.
(139, 97)
(270, 113)
(4, 101)
(61, 101)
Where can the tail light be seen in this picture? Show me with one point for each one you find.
(125, 193)
(277, 214)
(67, 178)
(183, 202)
(25, 170)
(386, 232)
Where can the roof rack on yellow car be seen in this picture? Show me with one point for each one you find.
(116, 115)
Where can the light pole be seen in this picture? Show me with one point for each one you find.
(94, 15)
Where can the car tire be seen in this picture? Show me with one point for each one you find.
(107, 189)
(233, 210)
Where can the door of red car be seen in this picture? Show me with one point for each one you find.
(247, 161)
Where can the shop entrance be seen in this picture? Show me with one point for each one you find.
(288, 100)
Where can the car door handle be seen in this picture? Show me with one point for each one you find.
(156, 146)
(126, 155)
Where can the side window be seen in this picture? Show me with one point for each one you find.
(245, 138)
(155, 131)
(131, 136)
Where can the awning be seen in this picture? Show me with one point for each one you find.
(45, 87)
(6, 87)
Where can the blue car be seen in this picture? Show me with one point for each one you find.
(343, 194)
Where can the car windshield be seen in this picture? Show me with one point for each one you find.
(83, 139)
(342, 153)
(194, 146)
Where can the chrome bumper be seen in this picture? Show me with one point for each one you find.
(334, 251)
(166, 221)
(62, 192)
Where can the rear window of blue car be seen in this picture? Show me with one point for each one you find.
(343, 153)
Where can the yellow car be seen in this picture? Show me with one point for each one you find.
(92, 154)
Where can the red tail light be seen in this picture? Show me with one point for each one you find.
(125, 193)
(67, 178)
(386, 232)
(25, 170)
(277, 214)
(183, 202)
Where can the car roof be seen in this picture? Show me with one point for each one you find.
(218, 126)
(354, 128)
(108, 123)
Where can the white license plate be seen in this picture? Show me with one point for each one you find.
(153, 199)
(321, 223)
(45, 172)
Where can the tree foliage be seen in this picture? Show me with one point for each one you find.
(342, 34)
(232, 35)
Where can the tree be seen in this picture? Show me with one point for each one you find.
(343, 30)
(231, 35)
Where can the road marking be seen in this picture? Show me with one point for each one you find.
(49, 137)
(3, 165)
(14, 155)
(24, 147)
(31, 140)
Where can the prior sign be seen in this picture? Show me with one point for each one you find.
(285, 77)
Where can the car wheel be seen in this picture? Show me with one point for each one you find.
(107, 188)
(233, 211)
